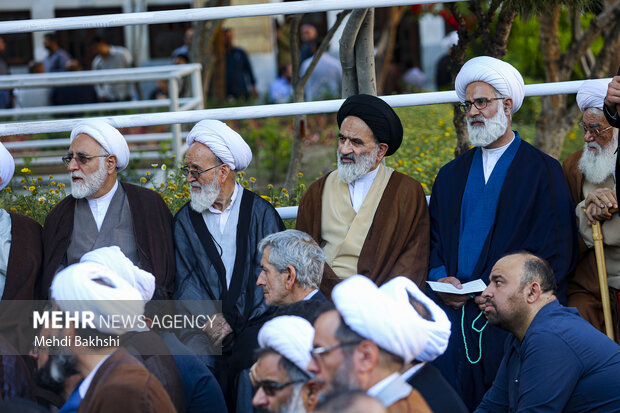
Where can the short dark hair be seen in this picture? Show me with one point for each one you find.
(539, 270)
(51, 36)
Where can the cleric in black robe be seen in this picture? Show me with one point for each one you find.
(500, 197)
(216, 237)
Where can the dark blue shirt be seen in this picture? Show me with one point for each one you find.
(239, 75)
(563, 365)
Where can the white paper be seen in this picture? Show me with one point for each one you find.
(468, 288)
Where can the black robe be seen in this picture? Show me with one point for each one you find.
(201, 276)
(535, 213)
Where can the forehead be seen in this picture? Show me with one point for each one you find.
(509, 267)
(199, 154)
(594, 119)
(84, 143)
(354, 127)
(478, 90)
(268, 368)
(325, 327)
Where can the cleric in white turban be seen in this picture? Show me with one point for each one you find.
(216, 237)
(366, 341)
(503, 195)
(591, 94)
(291, 336)
(102, 211)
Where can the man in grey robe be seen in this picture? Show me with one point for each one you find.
(216, 238)
(105, 212)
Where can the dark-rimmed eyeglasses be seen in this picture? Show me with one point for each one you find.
(271, 387)
(81, 158)
(194, 172)
(317, 351)
(479, 103)
(593, 131)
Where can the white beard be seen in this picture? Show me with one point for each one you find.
(596, 167)
(296, 403)
(349, 172)
(491, 131)
(91, 183)
(201, 200)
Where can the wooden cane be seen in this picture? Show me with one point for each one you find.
(597, 237)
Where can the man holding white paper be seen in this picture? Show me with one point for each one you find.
(502, 196)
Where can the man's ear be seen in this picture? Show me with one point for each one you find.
(508, 104)
(110, 163)
(290, 277)
(383, 148)
(366, 356)
(533, 292)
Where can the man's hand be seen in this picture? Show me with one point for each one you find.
(218, 330)
(598, 204)
(481, 302)
(612, 100)
(455, 301)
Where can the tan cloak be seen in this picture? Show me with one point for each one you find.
(398, 240)
(414, 403)
(583, 287)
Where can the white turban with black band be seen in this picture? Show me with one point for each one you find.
(110, 139)
(7, 166)
(501, 75)
(224, 142)
(391, 324)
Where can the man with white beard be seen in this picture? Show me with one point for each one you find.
(102, 212)
(368, 218)
(279, 375)
(590, 176)
(216, 238)
(503, 195)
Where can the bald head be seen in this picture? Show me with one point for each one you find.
(531, 269)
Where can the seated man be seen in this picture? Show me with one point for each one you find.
(368, 218)
(590, 176)
(216, 236)
(365, 342)
(113, 379)
(555, 361)
(292, 266)
(21, 252)
(104, 212)
(279, 374)
(503, 195)
(420, 374)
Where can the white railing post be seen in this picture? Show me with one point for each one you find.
(196, 79)
(173, 92)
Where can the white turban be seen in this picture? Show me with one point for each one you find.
(497, 73)
(391, 324)
(108, 137)
(7, 167)
(591, 94)
(224, 142)
(400, 288)
(291, 337)
(75, 289)
(114, 259)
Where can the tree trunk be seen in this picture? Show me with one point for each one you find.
(365, 56)
(386, 46)
(347, 52)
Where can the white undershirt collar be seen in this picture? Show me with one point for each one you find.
(491, 156)
(86, 382)
(99, 206)
(376, 389)
(223, 215)
(359, 188)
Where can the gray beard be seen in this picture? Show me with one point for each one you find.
(91, 184)
(201, 200)
(491, 131)
(348, 172)
(344, 377)
(296, 403)
(597, 167)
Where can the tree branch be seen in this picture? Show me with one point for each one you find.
(365, 56)
(347, 52)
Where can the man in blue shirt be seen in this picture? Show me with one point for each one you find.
(556, 361)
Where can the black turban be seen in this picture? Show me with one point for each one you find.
(378, 115)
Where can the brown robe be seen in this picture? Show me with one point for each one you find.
(414, 403)
(122, 384)
(398, 241)
(25, 257)
(583, 287)
(152, 225)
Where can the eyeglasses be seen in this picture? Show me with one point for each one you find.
(317, 351)
(271, 387)
(194, 172)
(81, 157)
(593, 131)
(479, 103)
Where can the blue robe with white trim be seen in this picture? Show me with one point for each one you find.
(535, 213)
